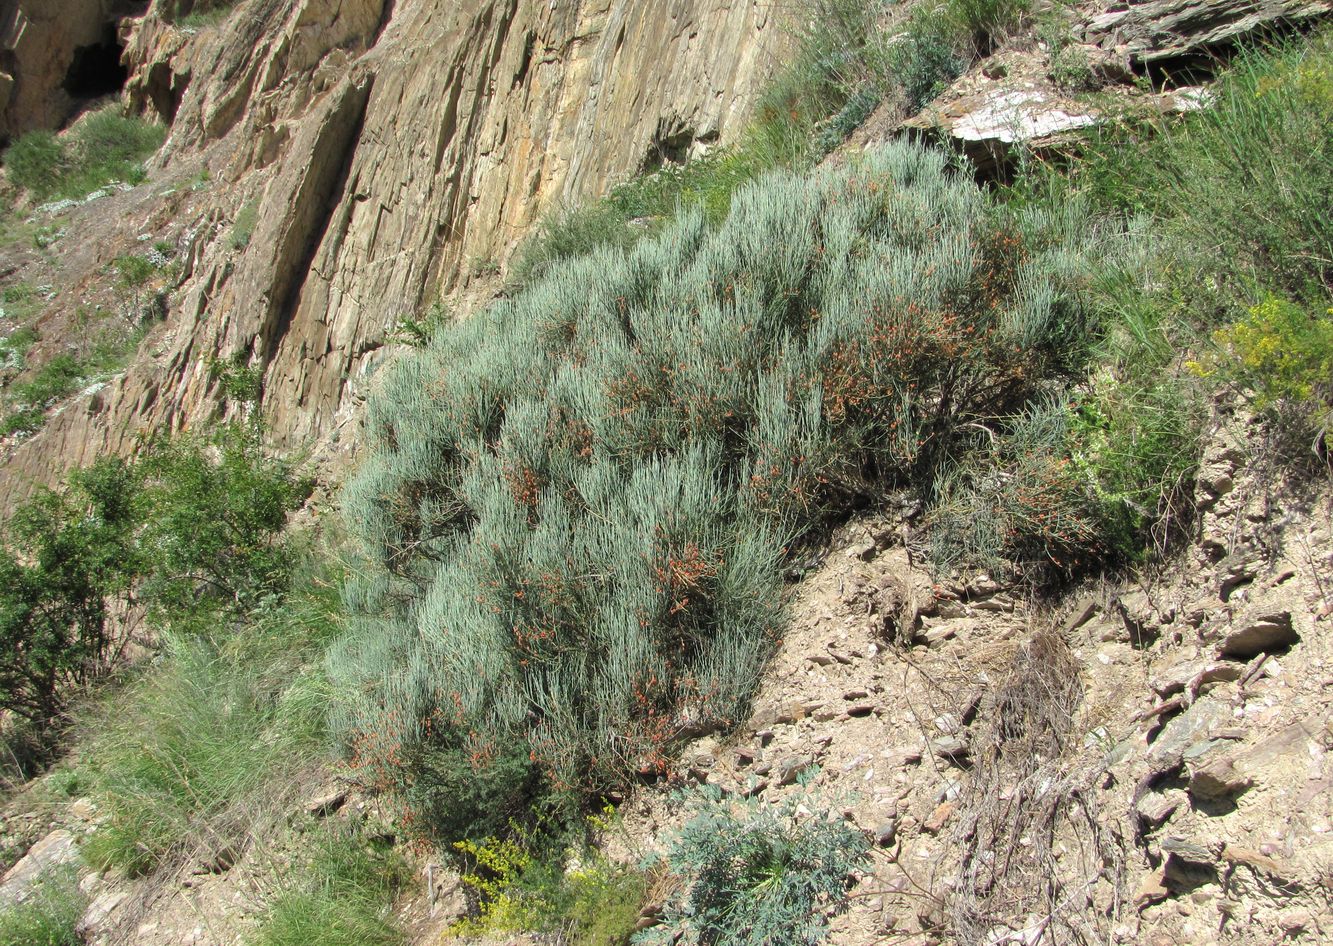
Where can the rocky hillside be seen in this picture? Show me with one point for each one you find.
(380, 155)
(926, 543)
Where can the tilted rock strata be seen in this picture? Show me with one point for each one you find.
(391, 149)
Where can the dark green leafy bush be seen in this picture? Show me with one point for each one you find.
(66, 555)
(216, 507)
(758, 875)
(191, 529)
(573, 507)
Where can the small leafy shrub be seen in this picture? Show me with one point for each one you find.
(243, 227)
(192, 534)
(50, 916)
(849, 118)
(1017, 503)
(66, 555)
(416, 329)
(1282, 353)
(339, 896)
(570, 232)
(1071, 70)
(212, 536)
(237, 379)
(925, 59)
(574, 507)
(522, 882)
(756, 874)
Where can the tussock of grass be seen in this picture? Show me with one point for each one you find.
(101, 148)
(49, 916)
(1243, 187)
(339, 895)
(189, 753)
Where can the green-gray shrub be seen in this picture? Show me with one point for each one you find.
(756, 874)
(573, 507)
(925, 58)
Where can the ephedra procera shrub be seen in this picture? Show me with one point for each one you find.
(574, 506)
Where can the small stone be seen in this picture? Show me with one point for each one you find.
(1259, 633)
(789, 770)
(864, 551)
(99, 911)
(1082, 612)
(1219, 778)
(1186, 850)
(754, 787)
(938, 818)
(861, 710)
(1294, 921)
(886, 833)
(855, 695)
(1155, 808)
(1152, 889)
(326, 802)
(937, 635)
(950, 747)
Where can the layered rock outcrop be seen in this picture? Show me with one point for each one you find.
(391, 149)
(52, 54)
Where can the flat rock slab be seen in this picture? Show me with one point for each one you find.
(1259, 632)
(1167, 29)
(1223, 774)
(57, 848)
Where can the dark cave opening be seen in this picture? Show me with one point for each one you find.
(96, 70)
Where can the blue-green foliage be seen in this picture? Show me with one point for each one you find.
(573, 506)
(758, 875)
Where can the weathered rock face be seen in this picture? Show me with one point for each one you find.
(1014, 96)
(1161, 30)
(391, 148)
(55, 52)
